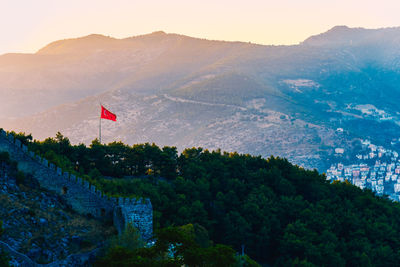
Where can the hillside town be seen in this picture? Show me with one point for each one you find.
(377, 168)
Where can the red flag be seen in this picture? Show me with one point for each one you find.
(105, 114)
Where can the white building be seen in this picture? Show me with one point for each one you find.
(339, 150)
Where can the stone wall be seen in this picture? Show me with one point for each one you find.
(83, 197)
(139, 212)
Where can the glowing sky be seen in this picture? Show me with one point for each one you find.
(27, 25)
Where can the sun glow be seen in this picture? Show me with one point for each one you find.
(27, 26)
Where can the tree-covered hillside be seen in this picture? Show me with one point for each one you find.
(282, 214)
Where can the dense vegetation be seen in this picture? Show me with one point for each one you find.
(281, 214)
(174, 247)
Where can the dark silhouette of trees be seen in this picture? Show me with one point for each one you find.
(282, 214)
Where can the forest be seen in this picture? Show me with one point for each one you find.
(278, 213)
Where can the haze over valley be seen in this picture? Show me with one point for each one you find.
(181, 91)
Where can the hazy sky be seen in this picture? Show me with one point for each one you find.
(27, 25)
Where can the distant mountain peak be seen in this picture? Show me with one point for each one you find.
(91, 42)
(158, 33)
(344, 35)
(96, 36)
(339, 28)
(76, 44)
(338, 35)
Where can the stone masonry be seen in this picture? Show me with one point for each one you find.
(83, 197)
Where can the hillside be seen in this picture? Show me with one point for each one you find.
(40, 224)
(182, 91)
(284, 215)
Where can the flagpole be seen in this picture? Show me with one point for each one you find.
(100, 126)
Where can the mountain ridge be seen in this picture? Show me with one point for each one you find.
(317, 83)
(158, 33)
(336, 30)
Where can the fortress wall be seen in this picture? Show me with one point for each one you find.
(140, 214)
(78, 195)
(83, 197)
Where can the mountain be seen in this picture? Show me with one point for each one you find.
(177, 90)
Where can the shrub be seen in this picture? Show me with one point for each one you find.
(129, 239)
(20, 177)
